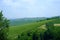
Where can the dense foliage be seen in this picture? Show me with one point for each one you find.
(3, 27)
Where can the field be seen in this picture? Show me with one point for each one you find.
(17, 30)
(31, 28)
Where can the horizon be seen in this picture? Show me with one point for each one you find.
(13, 9)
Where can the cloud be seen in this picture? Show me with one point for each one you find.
(31, 2)
(11, 3)
(15, 5)
(30, 7)
(18, 2)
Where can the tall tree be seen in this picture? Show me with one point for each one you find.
(4, 25)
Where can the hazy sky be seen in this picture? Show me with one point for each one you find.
(30, 8)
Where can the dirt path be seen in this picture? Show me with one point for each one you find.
(56, 24)
(44, 26)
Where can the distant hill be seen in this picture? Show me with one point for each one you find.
(21, 21)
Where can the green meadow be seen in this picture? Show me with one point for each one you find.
(14, 31)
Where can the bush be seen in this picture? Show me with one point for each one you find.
(34, 36)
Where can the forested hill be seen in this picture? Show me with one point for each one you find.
(20, 21)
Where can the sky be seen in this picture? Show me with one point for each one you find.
(30, 8)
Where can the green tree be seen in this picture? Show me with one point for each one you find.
(4, 24)
(48, 34)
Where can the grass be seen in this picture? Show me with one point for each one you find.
(17, 30)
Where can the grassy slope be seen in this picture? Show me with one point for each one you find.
(14, 31)
(21, 21)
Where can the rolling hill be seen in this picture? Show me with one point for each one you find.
(21, 21)
(31, 28)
